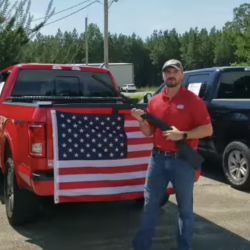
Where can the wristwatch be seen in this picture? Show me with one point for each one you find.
(184, 135)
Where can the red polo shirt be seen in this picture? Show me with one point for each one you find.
(185, 111)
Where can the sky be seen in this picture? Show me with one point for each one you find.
(139, 16)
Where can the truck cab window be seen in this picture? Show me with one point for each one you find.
(62, 83)
(234, 85)
(200, 78)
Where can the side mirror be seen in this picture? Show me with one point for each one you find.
(147, 97)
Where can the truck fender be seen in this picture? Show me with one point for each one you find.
(10, 140)
(224, 125)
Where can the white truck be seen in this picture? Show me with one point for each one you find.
(122, 72)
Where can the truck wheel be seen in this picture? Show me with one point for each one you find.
(21, 205)
(236, 165)
(140, 202)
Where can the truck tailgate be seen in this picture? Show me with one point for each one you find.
(95, 148)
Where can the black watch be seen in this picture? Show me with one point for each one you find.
(184, 135)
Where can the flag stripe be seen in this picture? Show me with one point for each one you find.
(100, 184)
(106, 198)
(132, 129)
(140, 141)
(131, 123)
(102, 177)
(101, 170)
(137, 154)
(101, 198)
(140, 147)
(103, 190)
(107, 163)
(137, 134)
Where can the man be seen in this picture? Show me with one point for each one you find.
(187, 114)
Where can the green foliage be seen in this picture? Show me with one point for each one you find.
(242, 64)
(196, 48)
(15, 28)
(238, 32)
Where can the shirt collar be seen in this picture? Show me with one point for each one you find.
(166, 98)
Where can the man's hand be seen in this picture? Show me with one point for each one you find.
(173, 135)
(136, 113)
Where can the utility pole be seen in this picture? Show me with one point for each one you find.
(86, 42)
(106, 33)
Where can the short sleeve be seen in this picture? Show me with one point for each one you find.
(200, 113)
(149, 107)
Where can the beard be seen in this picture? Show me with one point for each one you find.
(171, 83)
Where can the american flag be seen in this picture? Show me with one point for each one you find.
(99, 157)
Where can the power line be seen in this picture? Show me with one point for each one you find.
(71, 14)
(110, 3)
(59, 12)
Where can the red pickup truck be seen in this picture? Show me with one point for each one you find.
(42, 156)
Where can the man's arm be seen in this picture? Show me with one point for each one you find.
(146, 128)
(203, 126)
(200, 132)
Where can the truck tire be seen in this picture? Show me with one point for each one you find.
(21, 205)
(140, 202)
(1, 188)
(236, 165)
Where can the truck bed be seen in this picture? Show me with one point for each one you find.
(77, 177)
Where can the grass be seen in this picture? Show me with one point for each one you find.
(136, 97)
(147, 89)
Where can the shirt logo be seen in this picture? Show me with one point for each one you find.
(180, 106)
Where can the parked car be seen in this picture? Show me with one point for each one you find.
(226, 91)
(128, 88)
(31, 97)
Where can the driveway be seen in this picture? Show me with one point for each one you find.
(222, 217)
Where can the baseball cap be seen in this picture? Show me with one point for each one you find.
(173, 63)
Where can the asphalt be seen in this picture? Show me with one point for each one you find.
(222, 222)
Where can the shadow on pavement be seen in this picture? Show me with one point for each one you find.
(111, 226)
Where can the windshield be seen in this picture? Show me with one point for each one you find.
(62, 83)
(234, 85)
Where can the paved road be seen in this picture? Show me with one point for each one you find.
(222, 218)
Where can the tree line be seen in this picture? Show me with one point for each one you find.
(195, 48)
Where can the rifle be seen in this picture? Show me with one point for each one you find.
(185, 152)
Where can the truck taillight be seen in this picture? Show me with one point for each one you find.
(37, 140)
